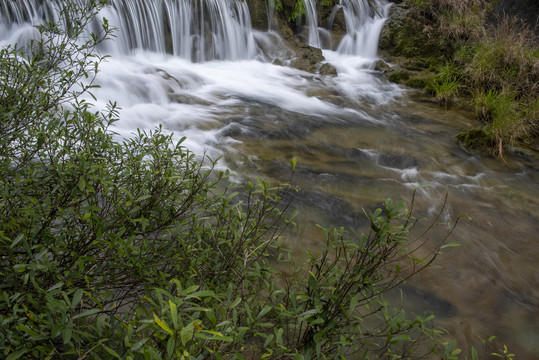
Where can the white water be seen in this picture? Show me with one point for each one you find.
(363, 26)
(355, 135)
(312, 23)
(163, 68)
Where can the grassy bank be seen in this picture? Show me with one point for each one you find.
(490, 61)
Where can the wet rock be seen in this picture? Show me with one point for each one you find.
(278, 62)
(188, 99)
(398, 75)
(259, 14)
(339, 22)
(381, 65)
(308, 58)
(328, 69)
(403, 35)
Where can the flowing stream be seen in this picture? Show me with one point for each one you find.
(197, 68)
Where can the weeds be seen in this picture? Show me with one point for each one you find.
(505, 59)
(446, 85)
(496, 65)
(502, 73)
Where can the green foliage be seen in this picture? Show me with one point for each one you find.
(277, 5)
(298, 12)
(503, 117)
(505, 59)
(446, 85)
(504, 73)
(462, 26)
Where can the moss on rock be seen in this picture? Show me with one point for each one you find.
(476, 139)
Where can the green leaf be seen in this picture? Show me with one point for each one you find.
(353, 304)
(474, 353)
(77, 297)
(55, 286)
(235, 303)
(200, 294)
(400, 337)
(269, 338)
(67, 332)
(186, 334)
(82, 183)
(163, 325)
(170, 347)
(453, 244)
(17, 354)
(263, 312)
(279, 335)
(86, 313)
(174, 313)
(112, 352)
(139, 344)
(293, 163)
(17, 240)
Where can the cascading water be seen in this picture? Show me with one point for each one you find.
(312, 23)
(196, 30)
(357, 139)
(363, 27)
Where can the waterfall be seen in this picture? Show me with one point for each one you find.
(196, 30)
(312, 23)
(363, 27)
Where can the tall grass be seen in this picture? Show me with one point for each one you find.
(502, 73)
(506, 58)
(497, 67)
(446, 85)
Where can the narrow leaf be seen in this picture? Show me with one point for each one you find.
(163, 325)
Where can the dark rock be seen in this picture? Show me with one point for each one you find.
(259, 14)
(428, 301)
(308, 58)
(339, 22)
(278, 62)
(328, 69)
(398, 75)
(403, 35)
